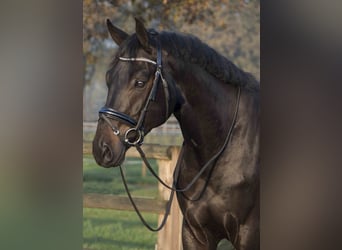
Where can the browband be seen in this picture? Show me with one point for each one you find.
(137, 59)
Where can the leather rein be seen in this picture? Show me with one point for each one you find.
(134, 136)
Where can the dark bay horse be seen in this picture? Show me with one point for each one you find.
(154, 75)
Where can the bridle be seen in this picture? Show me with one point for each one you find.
(135, 134)
(137, 127)
(136, 130)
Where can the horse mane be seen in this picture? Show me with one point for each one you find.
(190, 49)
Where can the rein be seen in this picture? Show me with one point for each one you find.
(137, 133)
(167, 210)
(205, 166)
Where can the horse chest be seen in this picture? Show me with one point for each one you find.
(229, 189)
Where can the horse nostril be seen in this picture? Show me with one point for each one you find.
(107, 153)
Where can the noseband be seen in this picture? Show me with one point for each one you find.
(135, 135)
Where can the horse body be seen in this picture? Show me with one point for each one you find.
(229, 206)
(224, 201)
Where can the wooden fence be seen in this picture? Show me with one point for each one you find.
(169, 238)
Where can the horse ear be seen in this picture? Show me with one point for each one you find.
(142, 34)
(117, 34)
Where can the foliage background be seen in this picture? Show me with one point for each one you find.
(232, 27)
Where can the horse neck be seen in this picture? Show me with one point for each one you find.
(206, 112)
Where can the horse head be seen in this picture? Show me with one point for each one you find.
(139, 94)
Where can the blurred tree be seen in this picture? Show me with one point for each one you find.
(230, 26)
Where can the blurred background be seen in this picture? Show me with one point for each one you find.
(232, 27)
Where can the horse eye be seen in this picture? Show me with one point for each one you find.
(139, 84)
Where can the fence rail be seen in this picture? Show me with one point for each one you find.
(116, 202)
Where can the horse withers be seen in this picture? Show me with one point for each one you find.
(154, 75)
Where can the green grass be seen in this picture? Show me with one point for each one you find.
(111, 229)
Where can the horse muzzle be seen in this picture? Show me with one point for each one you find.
(108, 149)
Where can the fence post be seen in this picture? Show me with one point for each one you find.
(143, 169)
(169, 238)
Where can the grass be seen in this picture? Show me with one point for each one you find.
(108, 229)
(111, 229)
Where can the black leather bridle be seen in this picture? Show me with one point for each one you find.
(135, 134)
